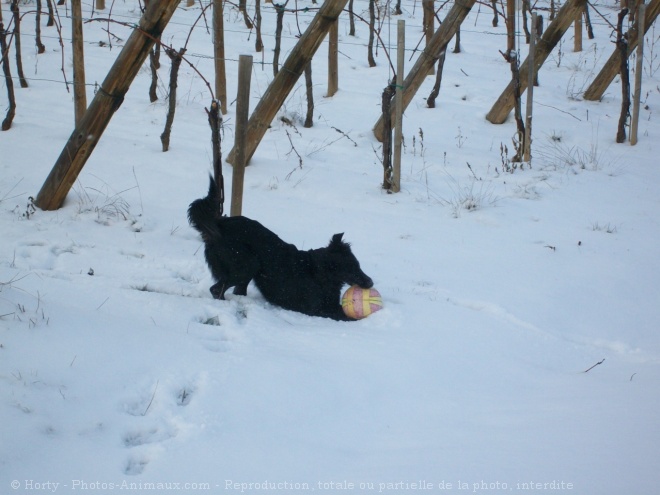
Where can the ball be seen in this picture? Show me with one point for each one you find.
(359, 303)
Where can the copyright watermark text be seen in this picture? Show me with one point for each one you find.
(272, 486)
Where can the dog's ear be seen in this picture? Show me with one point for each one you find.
(338, 242)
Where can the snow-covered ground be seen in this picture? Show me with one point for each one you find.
(119, 371)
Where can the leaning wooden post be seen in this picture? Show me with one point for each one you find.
(611, 68)
(289, 73)
(219, 55)
(240, 140)
(333, 51)
(108, 98)
(429, 56)
(557, 28)
(527, 152)
(398, 110)
(638, 75)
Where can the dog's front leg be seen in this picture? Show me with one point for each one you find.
(339, 315)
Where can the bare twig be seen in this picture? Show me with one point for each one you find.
(5, 197)
(293, 148)
(599, 362)
(559, 110)
(152, 399)
(105, 301)
(345, 135)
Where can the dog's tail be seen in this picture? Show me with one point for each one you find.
(204, 213)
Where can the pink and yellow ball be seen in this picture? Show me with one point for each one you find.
(359, 303)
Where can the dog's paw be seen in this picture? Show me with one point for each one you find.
(240, 290)
(218, 291)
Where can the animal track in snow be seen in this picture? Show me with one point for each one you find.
(219, 327)
(150, 435)
(496, 311)
(156, 409)
(135, 465)
(185, 396)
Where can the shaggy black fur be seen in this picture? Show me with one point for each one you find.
(239, 249)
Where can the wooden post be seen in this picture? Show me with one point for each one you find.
(577, 39)
(611, 68)
(79, 90)
(638, 75)
(258, 40)
(429, 24)
(510, 25)
(398, 110)
(544, 46)
(240, 140)
(286, 78)
(333, 50)
(219, 55)
(109, 97)
(429, 56)
(527, 151)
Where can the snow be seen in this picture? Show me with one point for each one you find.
(118, 371)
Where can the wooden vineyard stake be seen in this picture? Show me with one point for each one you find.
(577, 39)
(79, 90)
(288, 74)
(527, 148)
(242, 110)
(557, 28)
(398, 110)
(219, 55)
(333, 52)
(638, 76)
(611, 68)
(428, 7)
(510, 25)
(108, 99)
(428, 57)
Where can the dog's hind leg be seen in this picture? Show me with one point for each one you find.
(241, 289)
(218, 290)
(249, 266)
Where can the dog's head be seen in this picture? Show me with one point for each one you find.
(345, 265)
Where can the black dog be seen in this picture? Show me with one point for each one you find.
(238, 249)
